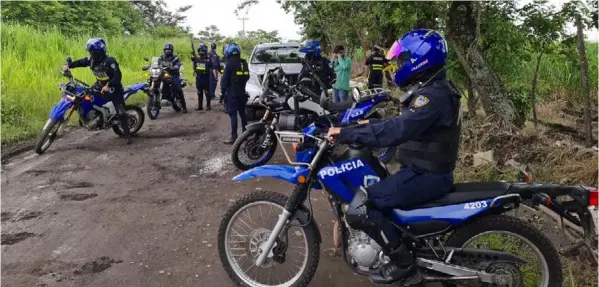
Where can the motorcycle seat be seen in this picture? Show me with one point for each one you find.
(338, 107)
(468, 192)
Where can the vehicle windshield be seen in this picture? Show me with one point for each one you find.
(155, 62)
(276, 55)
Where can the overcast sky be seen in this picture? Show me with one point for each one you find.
(267, 15)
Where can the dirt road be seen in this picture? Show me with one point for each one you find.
(93, 211)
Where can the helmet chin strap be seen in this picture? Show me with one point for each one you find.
(415, 87)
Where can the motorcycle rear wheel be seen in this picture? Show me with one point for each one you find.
(502, 224)
(135, 121)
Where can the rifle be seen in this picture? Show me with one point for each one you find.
(193, 50)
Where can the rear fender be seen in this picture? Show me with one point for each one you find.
(284, 172)
(58, 111)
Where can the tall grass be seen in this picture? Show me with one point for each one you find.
(31, 60)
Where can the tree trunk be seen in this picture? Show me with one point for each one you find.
(472, 100)
(584, 71)
(462, 31)
(534, 86)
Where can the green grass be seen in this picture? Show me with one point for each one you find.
(31, 60)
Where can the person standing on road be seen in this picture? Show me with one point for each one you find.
(428, 135)
(222, 64)
(174, 64)
(108, 78)
(320, 65)
(214, 70)
(202, 67)
(235, 76)
(342, 68)
(375, 62)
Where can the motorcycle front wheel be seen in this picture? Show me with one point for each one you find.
(48, 136)
(245, 228)
(248, 151)
(152, 109)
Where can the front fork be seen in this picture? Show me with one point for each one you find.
(294, 201)
(267, 140)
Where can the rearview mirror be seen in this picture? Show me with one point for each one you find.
(145, 68)
(69, 60)
(356, 94)
(146, 59)
(292, 55)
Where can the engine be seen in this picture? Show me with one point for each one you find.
(364, 251)
(92, 121)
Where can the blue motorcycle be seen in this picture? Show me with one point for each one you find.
(447, 236)
(257, 145)
(94, 111)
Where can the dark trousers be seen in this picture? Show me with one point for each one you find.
(410, 186)
(117, 99)
(375, 80)
(178, 90)
(203, 87)
(213, 82)
(234, 107)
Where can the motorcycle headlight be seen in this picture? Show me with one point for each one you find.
(155, 73)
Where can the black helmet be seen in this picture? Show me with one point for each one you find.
(213, 46)
(168, 49)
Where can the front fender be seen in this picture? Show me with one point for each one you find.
(302, 214)
(255, 126)
(284, 172)
(58, 111)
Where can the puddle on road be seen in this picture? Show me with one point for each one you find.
(212, 165)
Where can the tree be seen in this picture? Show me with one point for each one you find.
(263, 36)
(155, 13)
(463, 31)
(584, 70)
(542, 26)
(211, 34)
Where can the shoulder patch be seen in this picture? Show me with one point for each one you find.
(420, 101)
(113, 66)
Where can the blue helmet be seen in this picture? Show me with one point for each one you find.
(311, 48)
(417, 51)
(96, 48)
(202, 49)
(232, 49)
(168, 49)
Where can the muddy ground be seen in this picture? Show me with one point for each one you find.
(93, 211)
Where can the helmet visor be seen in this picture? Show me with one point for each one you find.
(398, 53)
(168, 51)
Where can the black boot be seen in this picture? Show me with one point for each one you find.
(401, 269)
(200, 99)
(230, 140)
(125, 127)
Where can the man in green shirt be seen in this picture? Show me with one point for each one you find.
(342, 68)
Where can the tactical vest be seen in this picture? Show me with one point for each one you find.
(243, 71)
(436, 151)
(100, 70)
(377, 63)
(200, 66)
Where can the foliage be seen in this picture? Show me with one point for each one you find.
(95, 17)
(210, 35)
(30, 78)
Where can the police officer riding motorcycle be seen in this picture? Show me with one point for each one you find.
(428, 135)
(173, 65)
(108, 78)
(316, 65)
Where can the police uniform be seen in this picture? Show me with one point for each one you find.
(428, 135)
(376, 63)
(235, 76)
(215, 65)
(107, 73)
(202, 67)
(175, 76)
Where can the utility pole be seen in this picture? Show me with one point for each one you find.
(243, 19)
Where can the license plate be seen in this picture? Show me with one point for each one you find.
(291, 137)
